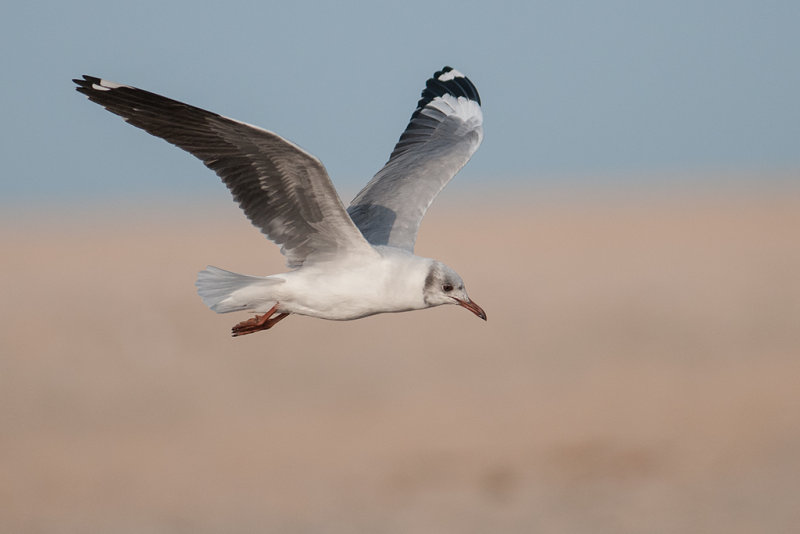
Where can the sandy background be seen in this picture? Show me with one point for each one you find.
(639, 372)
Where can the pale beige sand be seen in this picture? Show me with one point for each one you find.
(639, 372)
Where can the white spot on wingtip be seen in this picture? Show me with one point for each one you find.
(106, 85)
(449, 75)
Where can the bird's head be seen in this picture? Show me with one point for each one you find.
(444, 286)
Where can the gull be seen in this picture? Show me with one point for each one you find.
(344, 263)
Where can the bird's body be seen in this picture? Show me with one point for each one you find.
(392, 280)
(345, 264)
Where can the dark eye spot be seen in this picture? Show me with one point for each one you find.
(447, 288)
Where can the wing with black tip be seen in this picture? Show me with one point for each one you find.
(443, 133)
(283, 190)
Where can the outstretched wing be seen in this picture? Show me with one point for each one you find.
(283, 190)
(444, 132)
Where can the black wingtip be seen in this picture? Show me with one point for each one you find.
(87, 81)
(85, 85)
(447, 81)
(445, 70)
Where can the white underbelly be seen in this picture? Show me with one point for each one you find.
(346, 294)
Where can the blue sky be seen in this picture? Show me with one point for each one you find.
(578, 88)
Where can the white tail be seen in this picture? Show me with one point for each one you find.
(217, 287)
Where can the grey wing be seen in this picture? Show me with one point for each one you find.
(283, 190)
(443, 133)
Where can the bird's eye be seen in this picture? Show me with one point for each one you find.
(447, 288)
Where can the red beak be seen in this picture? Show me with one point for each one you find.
(473, 307)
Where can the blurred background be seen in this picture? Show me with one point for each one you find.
(630, 224)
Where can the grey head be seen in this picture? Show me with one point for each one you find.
(444, 286)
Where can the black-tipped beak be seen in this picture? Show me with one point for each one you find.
(473, 307)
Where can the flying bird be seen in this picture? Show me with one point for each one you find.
(344, 263)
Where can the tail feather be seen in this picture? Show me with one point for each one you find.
(217, 287)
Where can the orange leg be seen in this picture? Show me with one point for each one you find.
(259, 322)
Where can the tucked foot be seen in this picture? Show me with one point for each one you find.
(258, 323)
